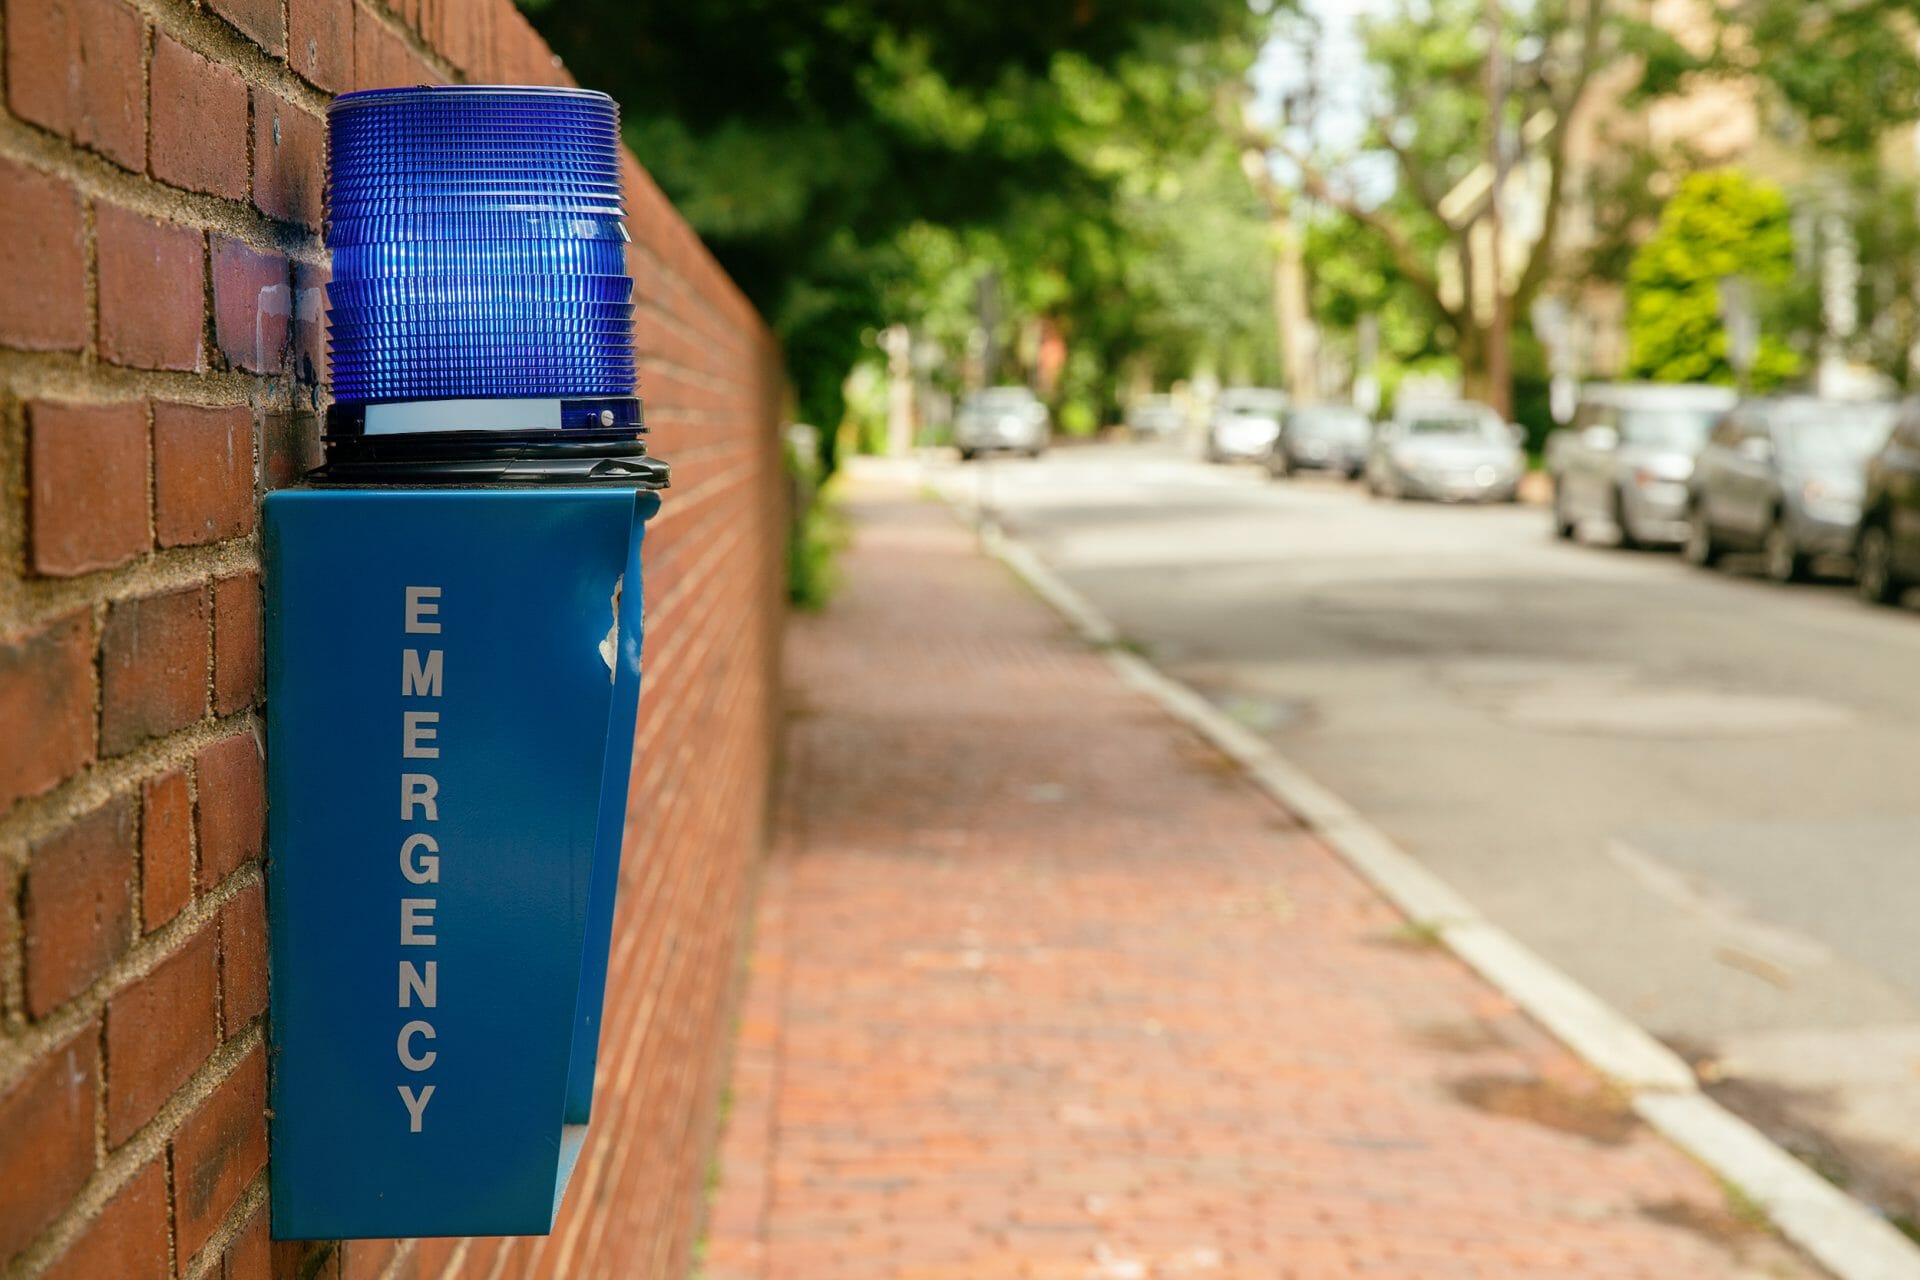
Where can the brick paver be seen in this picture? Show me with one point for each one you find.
(1041, 988)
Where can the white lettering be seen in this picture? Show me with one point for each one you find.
(419, 679)
(416, 1106)
(416, 729)
(418, 981)
(420, 868)
(419, 789)
(423, 603)
(413, 983)
(416, 915)
(408, 1059)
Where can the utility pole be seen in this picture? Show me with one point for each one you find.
(1500, 331)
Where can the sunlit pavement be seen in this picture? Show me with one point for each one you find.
(1698, 793)
(1041, 987)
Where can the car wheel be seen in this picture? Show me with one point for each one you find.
(1620, 521)
(1563, 524)
(1873, 567)
(968, 455)
(1785, 563)
(1701, 548)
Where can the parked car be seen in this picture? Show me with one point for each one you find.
(1784, 476)
(1245, 423)
(1159, 417)
(1627, 458)
(1886, 546)
(1450, 451)
(1004, 418)
(1325, 437)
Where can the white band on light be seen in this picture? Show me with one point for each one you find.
(410, 417)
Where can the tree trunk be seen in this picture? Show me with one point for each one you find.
(1470, 346)
(1291, 319)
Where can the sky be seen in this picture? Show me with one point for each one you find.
(1341, 115)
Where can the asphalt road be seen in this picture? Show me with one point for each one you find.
(1696, 792)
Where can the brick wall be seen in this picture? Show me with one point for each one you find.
(161, 362)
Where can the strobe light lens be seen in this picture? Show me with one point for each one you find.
(478, 241)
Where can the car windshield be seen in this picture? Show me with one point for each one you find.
(1331, 424)
(1478, 424)
(1667, 428)
(1836, 432)
(1268, 403)
(1003, 399)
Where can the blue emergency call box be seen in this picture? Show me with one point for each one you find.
(452, 680)
(453, 635)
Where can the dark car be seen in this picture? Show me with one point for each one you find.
(1887, 545)
(1325, 437)
(1785, 477)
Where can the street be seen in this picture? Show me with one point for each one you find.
(1692, 791)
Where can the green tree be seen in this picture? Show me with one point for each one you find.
(1432, 129)
(1718, 224)
(1845, 71)
(802, 140)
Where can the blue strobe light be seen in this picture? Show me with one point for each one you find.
(478, 239)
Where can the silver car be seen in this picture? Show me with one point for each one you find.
(1005, 418)
(1449, 451)
(1326, 437)
(1156, 417)
(1245, 423)
(1784, 477)
(1628, 456)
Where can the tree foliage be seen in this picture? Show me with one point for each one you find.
(1846, 71)
(807, 143)
(1717, 225)
(1431, 127)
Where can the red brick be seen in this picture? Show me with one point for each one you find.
(216, 1153)
(78, 911)
(365, 1259)
(250, 1253)
(152, 290)
(243, 958)
(199, 122)
(320, 42)
(233, 805)
(309, 324)
(289, 444)
(46, 1139)
(252, 306)
(73, 66)
(166, 848)
(153, 667)
(381, 56)
(262, 21)
(87, 467)
(202, 473)
(46, 700)
(236, 643)
(158, 1031)
(290, 1257)
(432, 1256)
(289, 160)
(128, 1241)
(43, 270)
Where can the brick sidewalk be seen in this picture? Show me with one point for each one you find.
(1041, 988)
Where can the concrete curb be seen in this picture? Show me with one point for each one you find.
(1845, 1236)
